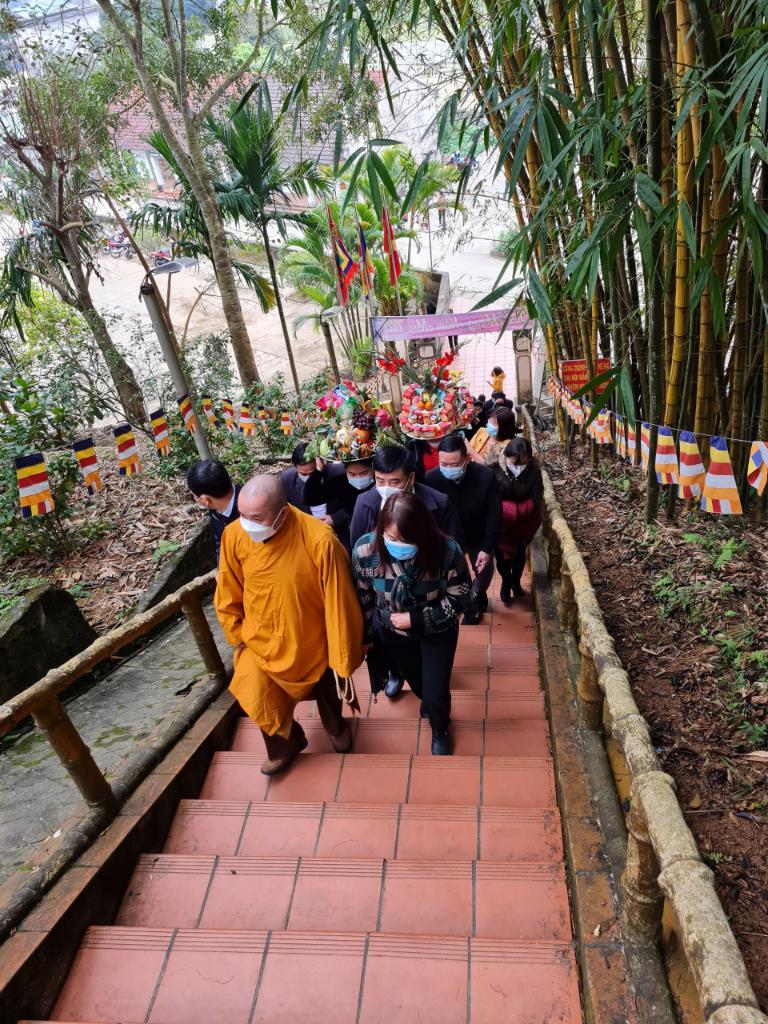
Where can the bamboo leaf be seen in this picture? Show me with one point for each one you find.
(600, 378)
(384, 176)
(497, 293)
(540, 298)
(373, 183)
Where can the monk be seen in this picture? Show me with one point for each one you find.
(286, 602)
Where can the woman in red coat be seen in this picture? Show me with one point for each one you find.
(522, 494)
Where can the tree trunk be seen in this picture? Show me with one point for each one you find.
(225, 275)
(128, 390)
(655, 277)
(279, 304)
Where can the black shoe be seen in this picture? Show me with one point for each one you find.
(394, 686)
(482, 603)
(441, 743)
(472, 618)
(505, 594)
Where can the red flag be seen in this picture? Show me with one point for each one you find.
(390, 248)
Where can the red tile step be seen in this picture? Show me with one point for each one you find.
(186, 976)
(382, 778)
(479, 677)
(527, 736)
(412, 831)
(437, 897)
(468, 705)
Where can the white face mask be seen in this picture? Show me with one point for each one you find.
(360, 483)
(387, 492)
(514, 470)
(258, 531)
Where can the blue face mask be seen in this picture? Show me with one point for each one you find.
(453, 472)
(359, 482)
(492, 429)
(402, 552)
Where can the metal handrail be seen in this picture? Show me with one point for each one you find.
(41, 701)
(662, 859)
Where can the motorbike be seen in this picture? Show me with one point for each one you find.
(160, 257)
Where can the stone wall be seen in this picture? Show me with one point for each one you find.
(41, 631)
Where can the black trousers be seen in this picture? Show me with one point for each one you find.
(511, 569)
(426, 662)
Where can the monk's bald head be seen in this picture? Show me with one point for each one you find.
(262, 498)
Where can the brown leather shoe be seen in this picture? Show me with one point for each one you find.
(342, 743)
(281, 752)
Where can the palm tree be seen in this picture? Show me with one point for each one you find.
(308, 264)
(263, 186)
(185, 225)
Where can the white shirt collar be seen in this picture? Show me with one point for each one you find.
(230, 507)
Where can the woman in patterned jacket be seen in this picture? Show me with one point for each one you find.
(413, 585)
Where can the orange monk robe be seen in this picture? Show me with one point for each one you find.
(291, 602)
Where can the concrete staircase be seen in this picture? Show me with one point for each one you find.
(376, 887)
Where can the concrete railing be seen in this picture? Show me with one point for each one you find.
(663, 860)
(41, 700)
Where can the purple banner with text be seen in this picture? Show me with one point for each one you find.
(440, 325)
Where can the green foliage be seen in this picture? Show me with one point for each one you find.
(165, 548)
(14, 587)
(675, 598)
(722, 548)
(53, 383)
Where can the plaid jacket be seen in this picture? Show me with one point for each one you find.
(434, 604)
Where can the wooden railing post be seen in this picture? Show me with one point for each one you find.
(568, 610)
(643, 900)
(590, 695)
(554, 554)
(204, 639)
(53, 721)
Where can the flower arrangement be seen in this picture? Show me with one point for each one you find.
(435, 404)
(354, 430)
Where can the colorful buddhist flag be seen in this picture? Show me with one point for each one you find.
(285, 424)
(645, 444)
(263, 419)
(757, 470)
(367, 269)
(34, 489)
(578, 412)
(210, 415)
(631, 444)
(721, 496)
(187, 412)
(88, 461)
(390, 248)
(666, 457)
(228, 413)
(246, 420)
(346, 267)
(602, 428)
(159, 424)
(128, 461)
(692, 473)
(621, 436)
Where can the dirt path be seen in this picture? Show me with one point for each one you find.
(687, 604)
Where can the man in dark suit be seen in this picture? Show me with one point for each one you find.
(295, 478)
(472, 490)
(394, 469)
(213, 490)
